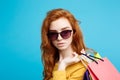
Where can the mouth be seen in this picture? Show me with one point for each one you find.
(60, 44)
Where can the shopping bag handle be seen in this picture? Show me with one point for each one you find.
(92, 57)
(96, 57)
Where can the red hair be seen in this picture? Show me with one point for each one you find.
(49, 53)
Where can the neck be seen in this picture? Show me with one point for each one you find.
(65, 53)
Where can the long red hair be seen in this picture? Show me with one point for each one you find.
(49, 53)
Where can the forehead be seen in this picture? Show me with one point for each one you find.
(59, 24)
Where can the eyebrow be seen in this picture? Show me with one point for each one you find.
(65, 28)
(61, 29)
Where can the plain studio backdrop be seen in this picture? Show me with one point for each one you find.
(20, 26)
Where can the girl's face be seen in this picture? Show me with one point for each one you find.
(60, 33)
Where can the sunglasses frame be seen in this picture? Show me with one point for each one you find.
(56, 34)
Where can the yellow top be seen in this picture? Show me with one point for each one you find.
(73, 72)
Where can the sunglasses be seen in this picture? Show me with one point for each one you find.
(64, 34)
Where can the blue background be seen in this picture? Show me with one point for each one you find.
(20, 24)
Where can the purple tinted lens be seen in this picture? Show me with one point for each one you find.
(66, 34)
(53, 35)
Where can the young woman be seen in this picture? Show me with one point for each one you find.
(62, 41)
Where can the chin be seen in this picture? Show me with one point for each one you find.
(62, 48)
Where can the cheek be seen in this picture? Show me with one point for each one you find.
(70, 40)
(54, 43)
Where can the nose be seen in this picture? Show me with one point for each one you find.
(59, 37)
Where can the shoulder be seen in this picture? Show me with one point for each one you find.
(76, 67)
(74, 71)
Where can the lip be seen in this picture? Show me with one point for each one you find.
(60, 44)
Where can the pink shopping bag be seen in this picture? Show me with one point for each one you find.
(104, 70)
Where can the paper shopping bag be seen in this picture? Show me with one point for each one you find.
(104, 70)
(87, 75)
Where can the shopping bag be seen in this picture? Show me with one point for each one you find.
(103, 70)
(87, 75)
(98, 68)
(88, 59)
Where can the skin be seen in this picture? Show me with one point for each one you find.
(66, 53)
